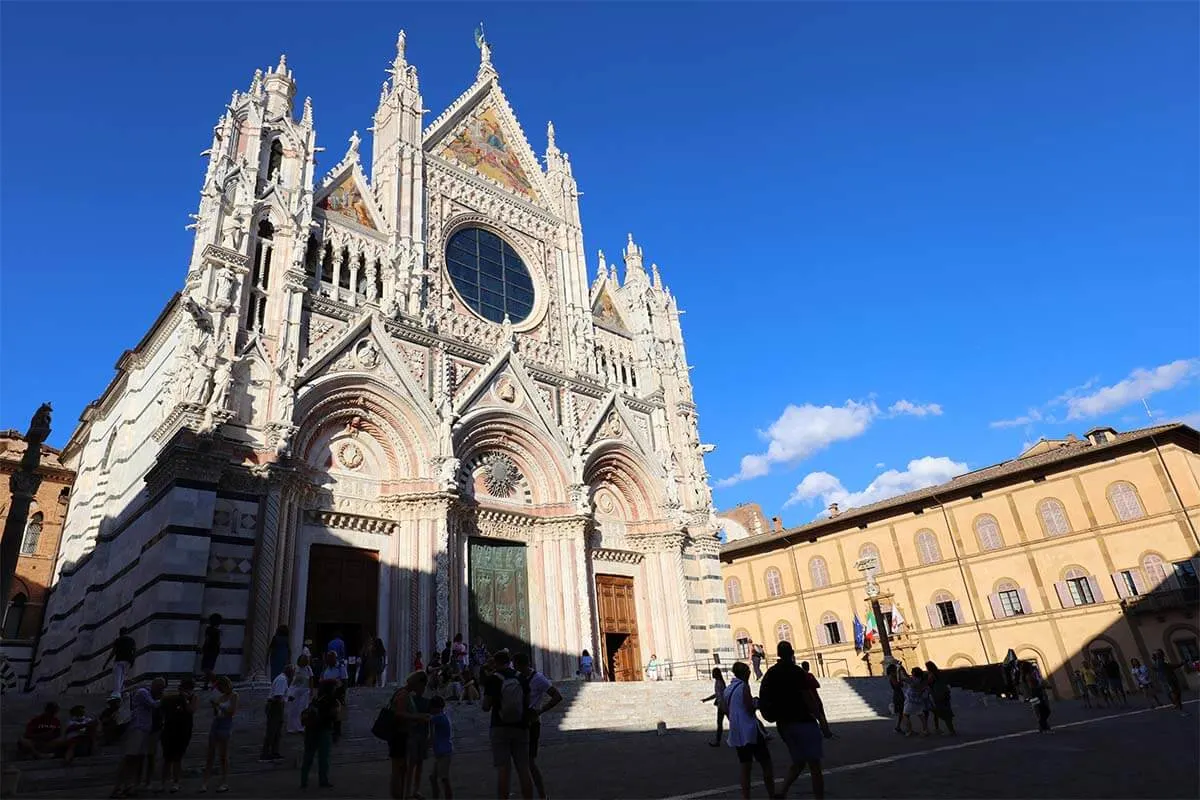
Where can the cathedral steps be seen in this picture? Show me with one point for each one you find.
(589, 710)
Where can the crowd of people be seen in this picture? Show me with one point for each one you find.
(1099, 683)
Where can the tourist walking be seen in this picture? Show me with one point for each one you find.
(319, 719)
(1168, 676)
(178, 712)
(745, 733)
(404, 714)
(896, 681)
(586, 665)
(787, 698)
(225, 708)
(1080, 687)
(716, 698)
(418, 732)
(443, 748)
(334, 673)
(138, 737)
(506, 696)
(299, 694)
(916, 692)
(379, 661)
(543, 696)
(1035, 689)
(337, 646)
(210, 648)
(460, 652)
(276, 707)
(1092, 680)
(122, 654)
(652, 668)
(280, 652)
(757, 654)
(939, 696)
(1143, 681)
(1112, 677)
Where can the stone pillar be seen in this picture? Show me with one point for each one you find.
(265, 586)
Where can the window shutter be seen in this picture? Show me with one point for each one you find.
(1172, 582)
(1095, 584)
(841, 633)
(997, 607)
(1024, 598)
(822, 636)
(1119, 581)
(958, 615)
(935, 618)
(1139, 582)
(1064, 594)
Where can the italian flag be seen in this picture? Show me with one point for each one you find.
(872, 634)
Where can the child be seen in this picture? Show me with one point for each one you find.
(80, 734)
(318, 722)
(443, 747)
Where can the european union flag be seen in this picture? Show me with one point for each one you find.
(860, 633)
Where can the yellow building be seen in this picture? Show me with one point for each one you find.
(1076, 547)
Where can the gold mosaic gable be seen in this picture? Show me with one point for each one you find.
(347, 200)
(483, 147)
(605, 310)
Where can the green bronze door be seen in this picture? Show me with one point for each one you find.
(499, 594)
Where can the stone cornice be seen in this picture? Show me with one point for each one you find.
(354, 522)
(226, 257)
(617, 556)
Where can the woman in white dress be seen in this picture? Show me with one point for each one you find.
(745, 734)
(299, 694)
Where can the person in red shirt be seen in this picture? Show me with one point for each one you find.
(43, 734)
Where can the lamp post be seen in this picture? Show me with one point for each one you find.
(23, 485)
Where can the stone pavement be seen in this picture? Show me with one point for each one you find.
(1114, 753)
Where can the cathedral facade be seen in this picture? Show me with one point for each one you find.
(388, 401)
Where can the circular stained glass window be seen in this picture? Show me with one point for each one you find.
(489, 275)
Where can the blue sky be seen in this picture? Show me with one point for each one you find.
(986, 211)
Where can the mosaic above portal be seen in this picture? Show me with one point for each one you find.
(346, 200)
(483, 147)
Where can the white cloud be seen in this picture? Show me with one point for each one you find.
(804, 430)
(921, 473)
(880, 465)
(1140, 384)
(905, 407)
(1086, 401)
(1030, 417)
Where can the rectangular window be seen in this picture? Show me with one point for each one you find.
(1126, 577)
(832, 633)
(946, 611)
(1010, 601)
(1185, 573)
(1081, 592)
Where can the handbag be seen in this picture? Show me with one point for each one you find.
(385, 724)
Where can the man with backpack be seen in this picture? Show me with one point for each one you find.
(506, 696)
(542, 697)
(787, 698)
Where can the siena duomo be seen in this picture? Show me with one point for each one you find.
(387, 399)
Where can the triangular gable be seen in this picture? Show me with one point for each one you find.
(344, 195)
(480, 133)
(606, 311)
(506, 370)
(613, 422)
(366, 347)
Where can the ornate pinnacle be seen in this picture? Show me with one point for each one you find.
(306, 119)
(383, 93)
(256, 82)
(550, 136)
(282, 68)
(655, 276)
(602, 270)
(401, 44)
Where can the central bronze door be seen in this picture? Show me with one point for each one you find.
(343, 596)
(620, 651)
(499, 594)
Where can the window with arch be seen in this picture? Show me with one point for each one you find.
(1009, 600)
(869, 550)
(818, 570)
(783, 631)
(829, 632)
(260, 277)
(1155, 570)
(928, 551)
(944, 610)
(1126, 504)
(774, 581)
(742, 639)
(1077, 588)
(733, 591)
(33, 533)
(275, 161)
(14, 615)
(1053, 515)
(987, 530)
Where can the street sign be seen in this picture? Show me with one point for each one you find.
(867, 564)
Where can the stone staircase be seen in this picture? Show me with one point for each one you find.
(588, 710)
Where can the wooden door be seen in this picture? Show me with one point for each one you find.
(343, 595)
(620, 649)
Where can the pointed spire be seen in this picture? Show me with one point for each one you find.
(401, 46)
(383, 93)
(282, 68)
(656, 279)
(256, 82)
(633, 260)
(602, 270)
(550, 137)
(306, 119)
